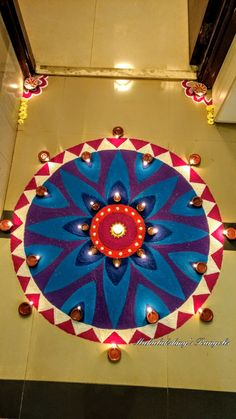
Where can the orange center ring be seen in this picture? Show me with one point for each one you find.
(124, 245)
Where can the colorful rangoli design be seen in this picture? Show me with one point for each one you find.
(33, 86)
(196, 91)
(91, 233)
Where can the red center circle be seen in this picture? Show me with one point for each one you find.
(102, 235)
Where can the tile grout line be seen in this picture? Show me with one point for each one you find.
(12, 160)
(94, 20)
(167, 385)
(26, 368)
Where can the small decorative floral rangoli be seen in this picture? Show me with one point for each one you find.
(33, 86)
(196, 91)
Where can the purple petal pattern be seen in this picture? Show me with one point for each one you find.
(75, 272)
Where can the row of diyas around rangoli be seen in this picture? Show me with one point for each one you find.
(152, 316)
(114, 352)
(193, 160)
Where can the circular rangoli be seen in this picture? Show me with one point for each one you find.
(116, 235)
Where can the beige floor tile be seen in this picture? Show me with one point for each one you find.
(70, 43)
(57, 356)
(26, 163)
(14, 330)
(7, 135)
(4, 176)
(92, 107)
(199, 366)
(141, 34)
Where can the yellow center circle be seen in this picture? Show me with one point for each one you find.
(118, 230)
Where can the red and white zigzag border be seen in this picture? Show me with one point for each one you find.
(168, 323)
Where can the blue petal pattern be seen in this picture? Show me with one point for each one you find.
(144, 298)
(81, 193)
(161, 233)
(68, 271)
(185, 260)
(77, 273)
(150, 202)
(171, 232)
(115, 295)
(84, 257)
(84, 297)
(148, 262)
(55, 198)
(118, 170)
(116, 274)
(161, 191)
(118, 186)
(74, 227)
(163, 276)
(144, 172)
(47, 254)
(182, 206)
(90, 170)
(60, 228)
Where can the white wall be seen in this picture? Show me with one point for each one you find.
(10, 85)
